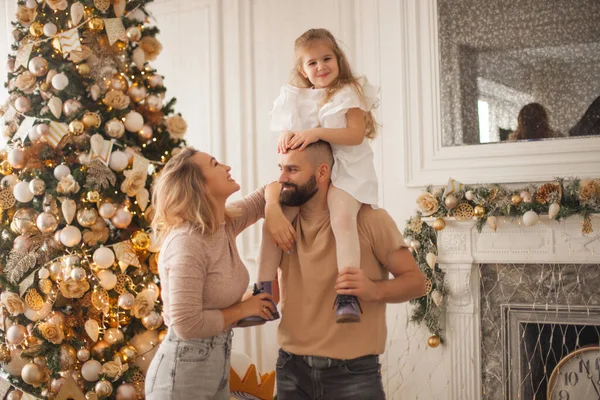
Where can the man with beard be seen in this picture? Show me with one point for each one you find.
(319, 358)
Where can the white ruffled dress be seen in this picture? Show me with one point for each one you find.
(298, 109)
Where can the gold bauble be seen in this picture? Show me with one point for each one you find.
(45, 285)
(103, 388)
(116, 82)
(36, 29)
(68, 356)
(128, 353)
(6, 168)
(124, 319)
(96, 24)
(93, 196)
(479, 211)
(34, 300)
(76, 127)
(516, 200)
(84, 69)
(87, 217)
(44, 87)
(32, 374)
(451, 201)
(99, 347)
(140, 240)
(439, 224)
(91, 120)
(113, 320)
(433, 341)
(162, 335)
(120, 46)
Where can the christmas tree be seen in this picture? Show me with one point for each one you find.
(88, 130)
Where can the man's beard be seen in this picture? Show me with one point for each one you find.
(299, 194)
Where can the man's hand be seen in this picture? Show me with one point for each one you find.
(283, 143)
(353, 281)
(304, 138)
(281, 230)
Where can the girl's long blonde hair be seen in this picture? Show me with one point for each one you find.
(344, 78)
(179, 195)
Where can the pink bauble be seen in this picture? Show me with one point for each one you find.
(153, 103)
(155, 81)
(38, 66)
(34, 135)
(134, 121)
(107, 210)
(43, 129)
(146, 132)
(22, 242)
(17, 158)
(126, 391)
(70, 107)
(122, 218)
(22, 104)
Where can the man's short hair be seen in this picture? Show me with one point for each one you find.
(319, 153)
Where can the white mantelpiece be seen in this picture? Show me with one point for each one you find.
(462, 249)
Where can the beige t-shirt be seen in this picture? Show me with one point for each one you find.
(202, 274)
(308, 292)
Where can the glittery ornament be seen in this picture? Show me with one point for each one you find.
(428, 286)
(140, 240)
(34, 300)
(463, 212)
(433, 341)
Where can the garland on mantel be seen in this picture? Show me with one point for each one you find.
(485, 203)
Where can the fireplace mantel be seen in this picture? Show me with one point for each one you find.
(462, 249)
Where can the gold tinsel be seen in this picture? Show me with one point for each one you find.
(549, 193)
(587, 225)
(99, 176)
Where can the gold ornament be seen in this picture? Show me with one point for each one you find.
(44, 87)
(154, 263)
(96, 24)
(433, 341)
(162, 335)
(32, 374)
(116, 82)
(587, 225)
(463, 212)
(100, 298)
(87, 217)
(7, 199)
(479, 211)
(439, 224)
(36, 29)
(128, 353)
(99, 347)
(93, 196)
(45, 285)
(140, 240)
(516, 200)
(120, 46)
(84, 69)
(91, 120)
(76, 127)
(6, 168)
(428, 286)
(124, 319)
(451, 201)
(124, 281)
(102, 5)
(492, 222)
(4, 354)
(34, 300)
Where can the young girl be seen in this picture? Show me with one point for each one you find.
(325, 101)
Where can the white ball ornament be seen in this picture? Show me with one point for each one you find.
(17, 158)
(530, 218)
(31, 4)
(34, 135)
(126, 391)
(61, 171)
(22, 104)
(22, 193)
(9, 181)
(43, 129)
(134, 121)
(107, 210)
(16, 334)
(90, 370)
(469, 195)
(122, 218)
(118, 161)
(126, 301)
(60, 81)
(43, 273)
(104, 257)
(108, 280)
(70, 236)
(50, 29)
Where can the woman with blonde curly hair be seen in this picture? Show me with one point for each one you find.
(202, 276)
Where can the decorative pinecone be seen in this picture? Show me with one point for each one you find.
(549, 193)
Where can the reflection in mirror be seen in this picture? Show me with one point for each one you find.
(519, 69)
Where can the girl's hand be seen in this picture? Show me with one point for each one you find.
(284, 141)
(281, 230)
(260, 305)
(303, 138)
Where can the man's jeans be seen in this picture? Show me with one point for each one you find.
(312, 378)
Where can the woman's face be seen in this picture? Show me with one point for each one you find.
(219, 182)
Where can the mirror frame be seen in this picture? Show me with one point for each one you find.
(428, 162)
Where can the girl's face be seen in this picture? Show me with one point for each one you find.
(319, 64)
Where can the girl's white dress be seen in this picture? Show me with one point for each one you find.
(298, 109)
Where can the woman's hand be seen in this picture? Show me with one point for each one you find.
(281, 230)
(283, 142)
(260, 305)
(303, 138)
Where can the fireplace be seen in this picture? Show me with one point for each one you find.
(521, 301)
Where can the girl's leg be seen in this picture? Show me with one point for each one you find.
(269, 255)
(343, 211)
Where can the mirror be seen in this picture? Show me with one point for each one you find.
(518, 70)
